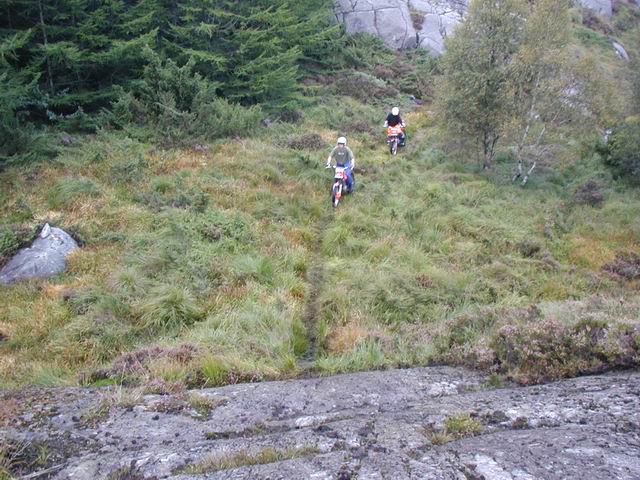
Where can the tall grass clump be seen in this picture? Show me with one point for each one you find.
(70, 190)
(170, 308)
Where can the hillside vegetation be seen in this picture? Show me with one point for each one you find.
(210, 258)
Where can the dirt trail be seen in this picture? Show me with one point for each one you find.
(372, 425)
(315, 278)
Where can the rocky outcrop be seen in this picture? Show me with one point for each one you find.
(403, 23)
(436, 423)
(46, 257)
(410, 23)
(602, 7)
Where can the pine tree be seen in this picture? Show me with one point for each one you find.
(76, 54)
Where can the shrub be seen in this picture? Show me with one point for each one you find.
(216, 117)
(140, 365)
(308, 141)
(364, 87)
(366, 50)
(589, 194)
(548, 350)
(593, 21)
(626, 265)
(9, 242)
(456, 427)
(129, 170)
(181, 105)
(462, 425)
(623, 153)
(626, 18)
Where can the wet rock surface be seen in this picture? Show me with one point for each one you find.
(371, 425)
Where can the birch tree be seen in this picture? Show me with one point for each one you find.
(476, 67)
(540, 85)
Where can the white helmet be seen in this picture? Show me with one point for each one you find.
(342, 140)
(395, 110)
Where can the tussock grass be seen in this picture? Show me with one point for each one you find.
(244, 458)
(456, 427)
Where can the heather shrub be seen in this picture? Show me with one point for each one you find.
(548, 350)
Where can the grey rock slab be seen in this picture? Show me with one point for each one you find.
(373, 425)
(602, 7)
(387, 19)
(46, 257)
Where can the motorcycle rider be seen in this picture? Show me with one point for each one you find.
(394, 119)
(344, 157)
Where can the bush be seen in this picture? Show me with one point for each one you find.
(216, 117)
(181, 105)
(589, 194)
(308, 141)
(365, 50)
(364, 87)
(548, 350)
(623, 153)
(9, 242)
(22, 142)
(626, 18)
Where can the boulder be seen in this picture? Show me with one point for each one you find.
(602, 7)
(620, 51)
(46, 257)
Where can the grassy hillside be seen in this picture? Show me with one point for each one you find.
(225, 262)
(224, 265)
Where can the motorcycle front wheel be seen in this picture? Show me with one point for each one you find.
(393, 147)
(335, 195)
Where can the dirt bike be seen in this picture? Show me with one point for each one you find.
(394, 134)
(339, 186)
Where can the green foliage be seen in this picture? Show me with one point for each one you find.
(476, 72)
(9, 242)
(634, 75)
(366, 50)
(548, 350)
(181, 105)
(462, 425)
(626, 18)
(591, 38)
(70, 190)
(244, 458)
(623, 151)
(61, 63)
(215, 371)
